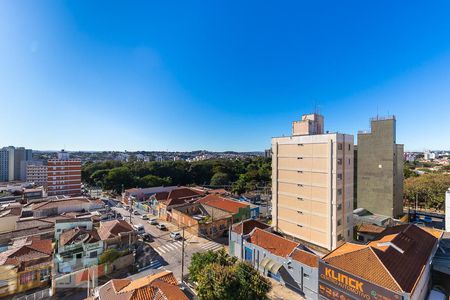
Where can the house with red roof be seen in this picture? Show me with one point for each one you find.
(26, 266)
(289, 262)
(239, 210)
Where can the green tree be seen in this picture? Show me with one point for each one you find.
(428, 188)
(152, 180)
(200, 260)
(219, 179)
(252, 285)
(118, 177)
(109, 255)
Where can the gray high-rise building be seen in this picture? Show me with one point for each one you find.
(379, 186)
(4, 164)
(11, 163)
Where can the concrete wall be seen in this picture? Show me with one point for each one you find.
(380, 170)
(8, 224)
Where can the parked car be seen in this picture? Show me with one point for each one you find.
(139, 228)
(153, 221)
(147, 237)
(175, 235)
(136, 213)
(144, 217)
(161, 227)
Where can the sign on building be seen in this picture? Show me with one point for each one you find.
(339, 285)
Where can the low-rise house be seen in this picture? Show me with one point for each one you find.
(78, 248)
(62, 225)
(239, 210)
(60, 206)
(26, 267)
(367, 232)
(35, 193)
(394, 266)
(286, 261)
(158, 286)
(117, 234)
(202, 219)
(143, 194)
(9, 215)
(177, 197)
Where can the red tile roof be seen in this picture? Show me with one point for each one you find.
(305, 258)
(31, 253)
(162, 285)
(395, 261)
(226, 204)
(79, 235)
(182, 195)
(110, 229)
(273, 243)
(245, 227)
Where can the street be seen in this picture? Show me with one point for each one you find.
(164, 252)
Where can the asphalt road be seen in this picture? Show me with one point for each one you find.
(163, 253)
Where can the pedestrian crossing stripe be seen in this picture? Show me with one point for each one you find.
(212, 246)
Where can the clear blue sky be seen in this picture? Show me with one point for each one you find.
(219, 75)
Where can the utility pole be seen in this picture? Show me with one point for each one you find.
(182, 255)
(131, 208)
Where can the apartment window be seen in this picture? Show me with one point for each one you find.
(340, 237)
(349, 161)
(93, 254)
(348, 219)
(348, 233)
(339, 146)
(339, 207)
(348, 147)
(339, 161)
(339, 192)
(339, 222)
(339, 176)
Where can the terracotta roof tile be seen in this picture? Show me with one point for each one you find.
(228, 205)
(245, 227)
(394, 261)
(306, 258)
(110, 229)
(369, 228)
(273, 243)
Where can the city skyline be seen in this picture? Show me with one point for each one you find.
(224, 77)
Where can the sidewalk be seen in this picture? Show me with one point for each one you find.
(280, 292)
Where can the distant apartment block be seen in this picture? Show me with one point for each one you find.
(312, 184)
(11, 163)
(36, 172)
(379, 186)
(64, 176)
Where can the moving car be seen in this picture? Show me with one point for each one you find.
(175, 235)
(153, 221)
(161, 227)
(144, 217)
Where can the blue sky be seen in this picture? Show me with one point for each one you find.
(219, 75)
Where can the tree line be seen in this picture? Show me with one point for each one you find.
(241, 174)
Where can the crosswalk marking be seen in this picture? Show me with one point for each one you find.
(168, 247)
(212, 246)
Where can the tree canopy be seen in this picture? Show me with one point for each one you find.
(220, 276)
(429, 190)
(241, 175)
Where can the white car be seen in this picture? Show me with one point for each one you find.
(153, 221)
(175, 235)
(144, 217)
(161, 227)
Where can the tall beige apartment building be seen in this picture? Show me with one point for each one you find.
(312, 184)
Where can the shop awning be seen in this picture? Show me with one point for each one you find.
(264, 262)
(270, 265)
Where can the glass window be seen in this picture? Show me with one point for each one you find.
(339, 176)
(339, 146)
(93, 254)
(28, 277)
(339, 192)
(339, 161)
